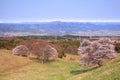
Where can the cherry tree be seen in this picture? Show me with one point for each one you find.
(95, 52)
(21, 50)
(44, 52)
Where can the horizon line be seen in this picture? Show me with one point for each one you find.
(61, 20)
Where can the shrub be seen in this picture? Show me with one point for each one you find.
(117, 47)
(71, 50)
(64, 47)
(8, 43)
(61, 55)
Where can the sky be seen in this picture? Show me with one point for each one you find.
(64, 10)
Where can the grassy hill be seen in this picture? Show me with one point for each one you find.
(21, 68)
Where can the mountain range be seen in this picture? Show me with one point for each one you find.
(60, 28)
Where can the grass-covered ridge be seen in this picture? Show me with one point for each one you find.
(20, 68)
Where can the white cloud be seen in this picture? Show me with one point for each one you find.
(1, 21)
(62, 20)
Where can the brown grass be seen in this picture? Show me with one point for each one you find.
(10, 62)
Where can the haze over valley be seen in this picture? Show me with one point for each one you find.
(58, 28)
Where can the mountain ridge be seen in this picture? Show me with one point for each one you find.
(61, 28)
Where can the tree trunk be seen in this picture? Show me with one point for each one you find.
(43, 57)
(100, 64)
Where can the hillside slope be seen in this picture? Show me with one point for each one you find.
(20, 68)
(110, 71)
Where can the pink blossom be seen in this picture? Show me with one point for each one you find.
(96, 52)
(20, 50)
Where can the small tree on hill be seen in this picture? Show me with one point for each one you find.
(44, 52)
(21, 50)
(96, 52)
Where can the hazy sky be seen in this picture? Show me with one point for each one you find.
(30, 10)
